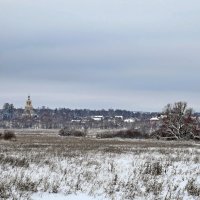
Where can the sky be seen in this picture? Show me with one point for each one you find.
(136, 55)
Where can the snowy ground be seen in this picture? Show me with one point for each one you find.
(52, 167)
(47, 196)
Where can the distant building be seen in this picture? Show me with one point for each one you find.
(119, 117)
(154, 119)
(129, 120)
(97, 118)
(28, 110)
(155, 123)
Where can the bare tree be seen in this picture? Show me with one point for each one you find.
(178, 121)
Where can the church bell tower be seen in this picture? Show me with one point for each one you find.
(28, 111)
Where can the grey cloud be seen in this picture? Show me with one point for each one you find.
(90, 53)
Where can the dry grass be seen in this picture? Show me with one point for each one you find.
(84, 144)
(50, 163)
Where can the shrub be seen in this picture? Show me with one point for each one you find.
(154, 169)
(13, 161)
(61, 132)
(9, 135)
(71, 132)
(192, 188)
(160, 135)
(27, 185)
(78, 133)
(4, 192)
(122, 134)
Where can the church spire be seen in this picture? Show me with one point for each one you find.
(28, 111)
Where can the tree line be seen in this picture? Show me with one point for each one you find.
(176, 121)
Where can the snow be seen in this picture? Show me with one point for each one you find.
(129, 120)
(47, 196)
(154, 119)
(100, 174)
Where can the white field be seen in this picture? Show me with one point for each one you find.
(46, 166)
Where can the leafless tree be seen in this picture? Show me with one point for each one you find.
(178, 121)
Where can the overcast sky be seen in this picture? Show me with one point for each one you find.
(127, 54)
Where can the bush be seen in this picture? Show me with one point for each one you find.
(192, 188)
(9, 135)
(71, 132)
(153, 169)
(78, 133)
(122, 134)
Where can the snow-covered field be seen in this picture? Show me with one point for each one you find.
(46, 166)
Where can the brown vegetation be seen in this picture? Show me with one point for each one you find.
(71, 132)
(8, 135)
(74, 159)
(122, 134)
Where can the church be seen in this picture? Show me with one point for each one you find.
(28, 110)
